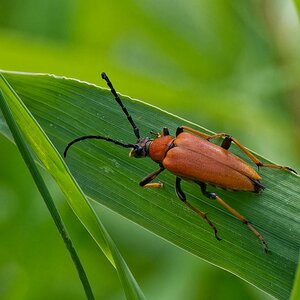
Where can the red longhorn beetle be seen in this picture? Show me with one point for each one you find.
(195, 159)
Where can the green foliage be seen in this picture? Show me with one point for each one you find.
(231, 66)
(66, 109)
(296, 289)
(297, 4)
(53, 163)
(38, 178)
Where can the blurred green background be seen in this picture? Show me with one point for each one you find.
(230, 66)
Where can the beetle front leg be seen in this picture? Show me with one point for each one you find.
(234, 212)
(203, 215)
(146, 182)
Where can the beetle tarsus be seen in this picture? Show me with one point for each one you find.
(292, 170)
(216, 235)
(234, 212)
(263, 241)
(156, 185)
(270, 166)
(265, 246)
(213, 227)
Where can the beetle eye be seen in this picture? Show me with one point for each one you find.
(139, 150)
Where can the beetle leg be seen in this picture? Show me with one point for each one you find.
(203, 215)
(165, 131)
(199, 133)
(256, 160)
(154, 185)
(145, 182)
(156, 134)
(234, 212)
(226, 144)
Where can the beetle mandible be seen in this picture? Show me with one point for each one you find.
(191, 156)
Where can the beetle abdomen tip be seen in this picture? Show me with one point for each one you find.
(258, 187)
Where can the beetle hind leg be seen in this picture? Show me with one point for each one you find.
(228, 139)
(234, 212)
(227, 143)
(253, 157)
(203, 215)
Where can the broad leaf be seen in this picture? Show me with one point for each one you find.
(68, 108)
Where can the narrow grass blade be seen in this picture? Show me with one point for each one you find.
(296, 288)
(297, 5)
(67, 109)
(52, 161)
(29, 160)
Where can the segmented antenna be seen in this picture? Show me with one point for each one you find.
(97, 137)
(135, 129)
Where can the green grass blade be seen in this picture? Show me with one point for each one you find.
(66, 109)
(297, 5)
(29, 160)
(296, 288)
(48, 155)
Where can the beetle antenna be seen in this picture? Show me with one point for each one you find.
(117, 98)
(98, 137)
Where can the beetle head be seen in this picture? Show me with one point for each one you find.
(141, 148)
